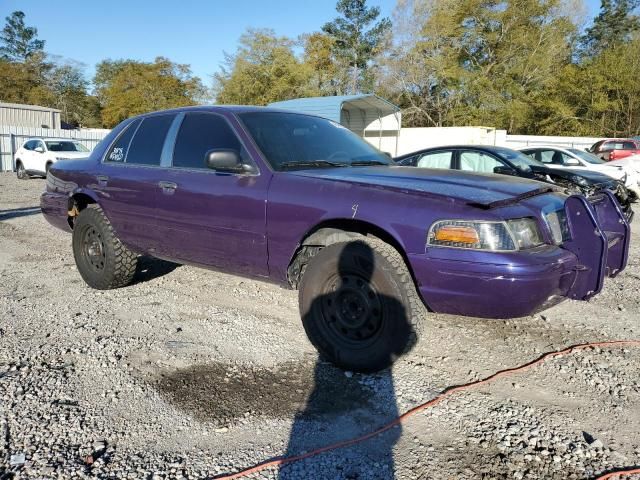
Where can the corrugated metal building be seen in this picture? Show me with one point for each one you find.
(18, 115)
(368, 115)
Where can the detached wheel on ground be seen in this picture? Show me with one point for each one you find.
(21, 173)
(102, 260)
(359, 305)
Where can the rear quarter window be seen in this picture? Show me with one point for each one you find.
(118, 151)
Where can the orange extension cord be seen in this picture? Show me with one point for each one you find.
(434, 401)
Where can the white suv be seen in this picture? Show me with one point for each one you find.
(36, 155)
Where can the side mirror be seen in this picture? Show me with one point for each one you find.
(39, 149)
(225, 160)
(572, 162)
(502, 170)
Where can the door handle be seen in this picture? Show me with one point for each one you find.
(102, 179)
(167, 185)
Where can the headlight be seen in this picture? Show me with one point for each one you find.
(525, 232)
(495, 236)
(559, 226)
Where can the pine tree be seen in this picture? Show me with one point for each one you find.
(614, 25)
(354, 44)
(17, 41)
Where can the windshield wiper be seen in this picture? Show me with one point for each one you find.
(368, 162)
(312, 163)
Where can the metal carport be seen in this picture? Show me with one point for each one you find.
(373, 118)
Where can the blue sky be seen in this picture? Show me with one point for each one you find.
(186, 31)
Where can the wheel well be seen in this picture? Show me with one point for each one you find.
(331, 232)
(77, 203)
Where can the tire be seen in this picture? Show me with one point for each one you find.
(46, 169)
(102, 260)
(21, 173)
(359, 305)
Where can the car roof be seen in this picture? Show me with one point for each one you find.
(555, 147)
(486, 148)
(221, 108)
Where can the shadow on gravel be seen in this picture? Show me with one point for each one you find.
(368, 328)
(327, 404)
(149, 268)
(223, 393)
(18, 212)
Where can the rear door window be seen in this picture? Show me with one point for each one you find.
(478, 162)
(118, 150)
(546, 156)
(200, 133)
(628, 146)
(147, 143)
(435, 160)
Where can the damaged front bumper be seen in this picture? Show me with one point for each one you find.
(511, 285)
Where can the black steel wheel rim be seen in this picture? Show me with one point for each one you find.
(352, 310)
(93, 248)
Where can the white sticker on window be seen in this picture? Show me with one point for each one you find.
(117, 154)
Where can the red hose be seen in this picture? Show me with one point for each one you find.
(434, 401)
(619, 473)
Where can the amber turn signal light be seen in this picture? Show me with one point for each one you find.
(457, 234)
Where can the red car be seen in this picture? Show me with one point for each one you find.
(615, 148)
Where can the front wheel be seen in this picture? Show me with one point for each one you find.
(359, 305)
(21, 173)
(102, 260)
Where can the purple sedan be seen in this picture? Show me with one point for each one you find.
(304, 202)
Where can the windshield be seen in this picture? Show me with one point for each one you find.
(586, 156)
(290, 140)
(62, 146)
(518, 159)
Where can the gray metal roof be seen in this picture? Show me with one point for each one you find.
(28, 107)
(330, 107)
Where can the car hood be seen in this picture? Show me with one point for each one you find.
(591, 176)
(483, 190)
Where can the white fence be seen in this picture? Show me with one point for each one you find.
(520, 141)
(413, 139)
(12, 138)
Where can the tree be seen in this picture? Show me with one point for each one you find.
(478, 62)
(353, 42)
(17, 41)
(128, 87)
(326, 72)
(264, 69)
(421, 70)
(613, 26)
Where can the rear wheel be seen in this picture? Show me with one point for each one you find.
(21, 173)
(359, 305)
(102, 260)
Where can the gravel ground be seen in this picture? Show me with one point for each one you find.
(190, 373)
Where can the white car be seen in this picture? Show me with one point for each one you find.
(565, 157)
(36, 155)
